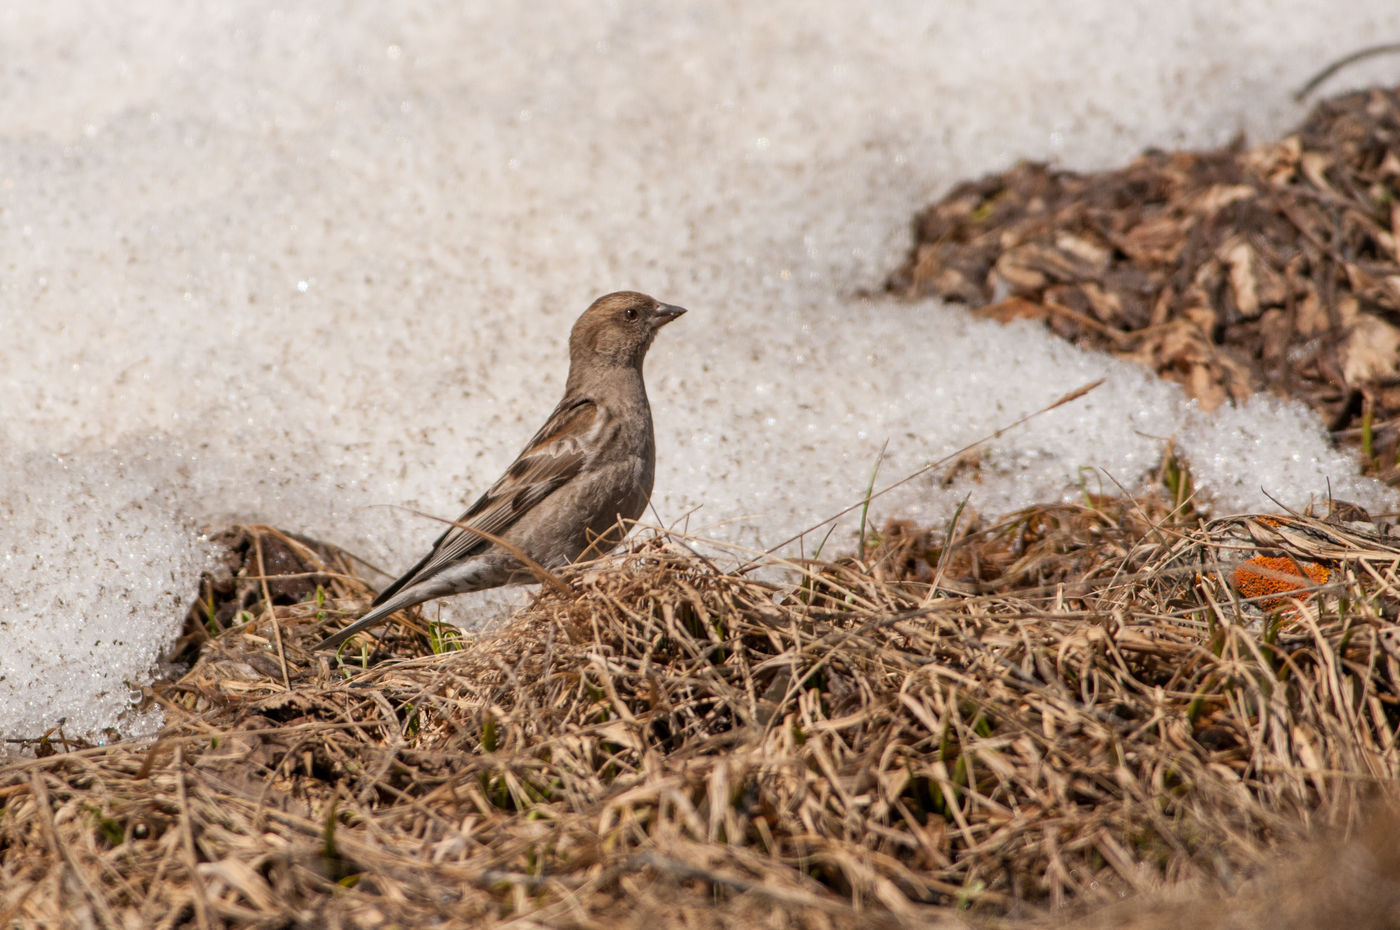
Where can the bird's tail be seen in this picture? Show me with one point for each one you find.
(405, 598)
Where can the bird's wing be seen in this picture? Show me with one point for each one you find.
(555, 454)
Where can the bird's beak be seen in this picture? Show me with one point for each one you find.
(664, 314)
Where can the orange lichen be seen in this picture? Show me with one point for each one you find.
(1275, 580)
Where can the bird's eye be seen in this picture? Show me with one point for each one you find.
(630, 313)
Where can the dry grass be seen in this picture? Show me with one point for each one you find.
(666, 745)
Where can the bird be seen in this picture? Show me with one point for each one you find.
(574, 489)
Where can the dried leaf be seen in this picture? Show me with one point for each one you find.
(1372, 351)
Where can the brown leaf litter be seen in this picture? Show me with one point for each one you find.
(1081, 710)
(1229, 271)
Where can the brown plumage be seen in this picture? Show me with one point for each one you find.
(572, 490)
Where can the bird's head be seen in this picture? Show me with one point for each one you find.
(618, 329)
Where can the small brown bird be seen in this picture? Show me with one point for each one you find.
(572, 491)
